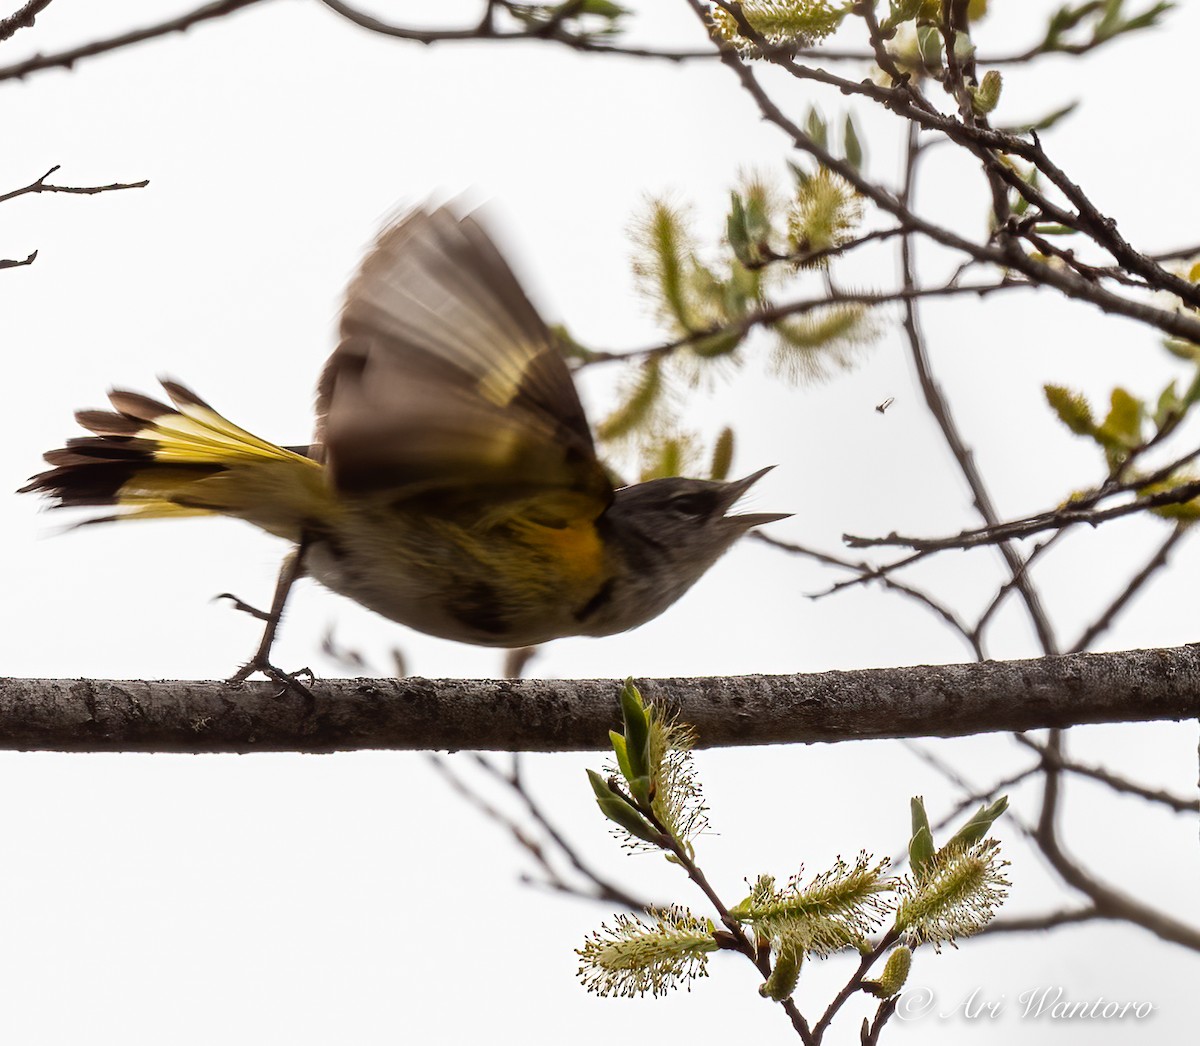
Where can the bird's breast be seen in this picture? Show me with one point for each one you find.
(516, 583)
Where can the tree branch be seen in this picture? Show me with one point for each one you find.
(910, 105)
(551, 30)
(22, 19)
(67, 59)
(85, 715)
(1057, 519)
(40, 185)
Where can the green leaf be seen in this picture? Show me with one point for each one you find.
(895, 973)
(1123, 426)
(1044, 123)
(800, 175)
(722, 457)
(817, 129)
(1054, 230)
(736, 231)
(986, 96)
(601, 8)
(621, 813)
(758, 218)
(669, 459)
(784, 974)
(964, 49)
(618, 746)
(853, 145)
(600, 785)
(920, 845)
(720, 344)
(668, 248)
(641, 788)
(1180, 512)
(929, 45)
(640, 401)
(979, 825)
(1182, 349)
(1072, 409)
(1193, 390)
(901, 11)
(1169, 408)
(637, 730)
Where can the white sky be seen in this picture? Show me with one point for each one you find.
(354, 898)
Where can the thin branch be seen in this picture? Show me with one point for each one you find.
(1179, 254)
(939, 407)
(970, 795)
(67, 59)
(759, 956)
(773, 314)
(1056, 519)
(908, 104)
(865, 571)
(1105, 899)
(855, 982)
(552, 30)
(1010, 585)
(604, 888)
(1053, 757)
(1049, 921)
(808, 257)
(13, 263)
(22, 19)
(40, 185)
(1110, 613)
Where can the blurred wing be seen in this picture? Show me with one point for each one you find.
(446, 380)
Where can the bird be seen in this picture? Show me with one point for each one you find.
(452, 484)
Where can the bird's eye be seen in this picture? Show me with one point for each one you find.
(692, 504)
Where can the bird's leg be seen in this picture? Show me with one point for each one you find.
(243, 606)
(291, 571)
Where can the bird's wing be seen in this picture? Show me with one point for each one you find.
(447, 382)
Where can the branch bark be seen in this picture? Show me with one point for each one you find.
(91, 715)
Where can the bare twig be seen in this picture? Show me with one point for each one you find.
(1053, 757)
(908, 104)
(808, 257)
(866, 572)
(1049, 921)
(1057, 519)
(1135, 585)
(552, 30)
(766, 316)
(939, 407)
(604, 889)
(1010, 585)
(40, 185)
(13, 263)
(1106, 900)
(22, 19)
(67, 59)
(855, 982)
(737, 935)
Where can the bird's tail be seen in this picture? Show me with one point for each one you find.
(150, 460)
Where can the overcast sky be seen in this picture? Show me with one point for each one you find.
(355, 898)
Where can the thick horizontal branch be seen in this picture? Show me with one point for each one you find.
(89, 715)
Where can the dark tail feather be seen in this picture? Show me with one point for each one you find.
(138, 455)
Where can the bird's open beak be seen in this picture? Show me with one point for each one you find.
(735, 489)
